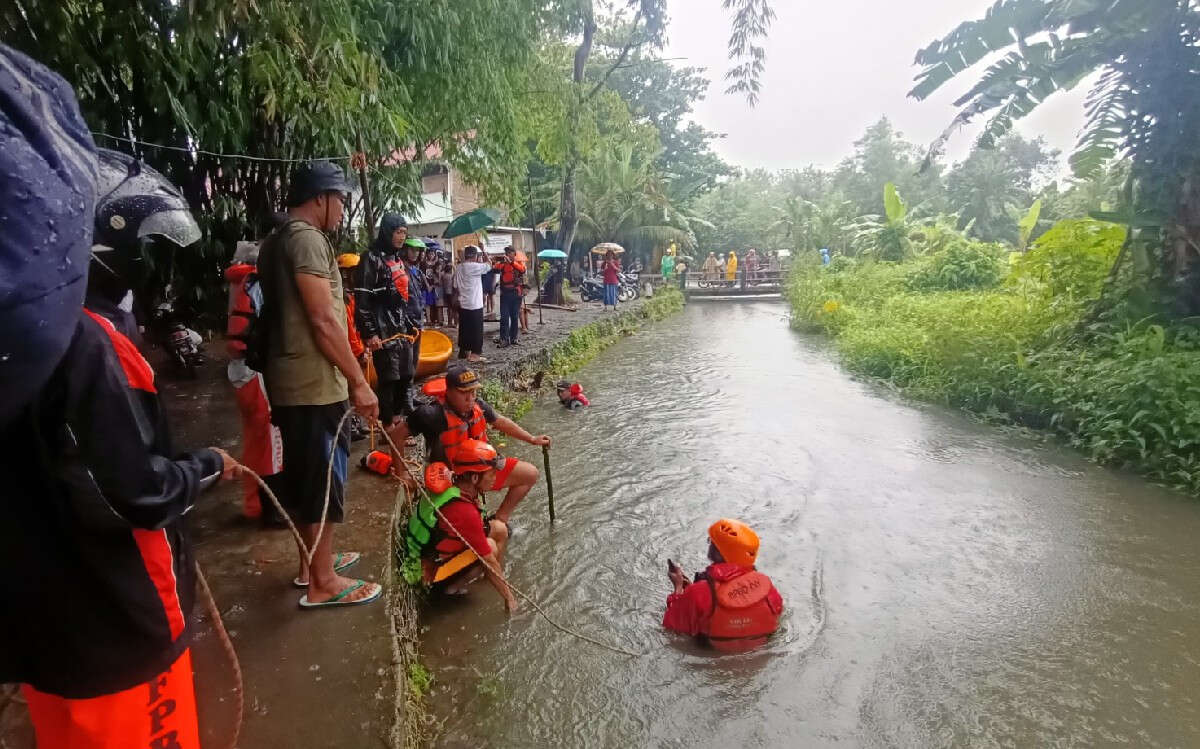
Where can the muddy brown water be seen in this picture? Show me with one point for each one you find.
(947, 583)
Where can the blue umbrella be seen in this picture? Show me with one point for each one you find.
(553, 254)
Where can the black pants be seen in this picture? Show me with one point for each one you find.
(395, 399)
(470, 332)
(308, 436)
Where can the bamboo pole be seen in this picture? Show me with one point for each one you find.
(549, 481)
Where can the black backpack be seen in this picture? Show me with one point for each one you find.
(262, 324)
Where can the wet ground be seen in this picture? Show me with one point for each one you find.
(312, 678)
(947, 583)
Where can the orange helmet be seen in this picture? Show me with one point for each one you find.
(472, 456)
(438, 477)
(736, 542)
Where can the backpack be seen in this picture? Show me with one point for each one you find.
(261, 325)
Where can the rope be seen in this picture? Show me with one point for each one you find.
(247, 157)
(214, 613)
(495, 571)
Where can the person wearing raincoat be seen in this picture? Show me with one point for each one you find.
(383, 309)
(731, 269)
(711, 267)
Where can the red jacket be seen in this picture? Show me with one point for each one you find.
(691, 611)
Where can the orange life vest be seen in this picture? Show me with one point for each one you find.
(239, 309)
(742, 616)
(399, 276)
(459, 429)
(509, 272)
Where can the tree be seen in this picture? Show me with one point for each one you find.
(1145, 104)
(285, 80)
(751, 21)
(880, 156)
(664, 96)
(622, 199)
(993, 186)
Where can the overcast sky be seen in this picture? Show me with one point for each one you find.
(832, 69)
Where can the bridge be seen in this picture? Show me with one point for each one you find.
(698, 284)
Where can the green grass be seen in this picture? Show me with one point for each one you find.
(1126, 393)
(419, 679)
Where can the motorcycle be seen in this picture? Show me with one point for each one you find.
(629, 287)
(591, 289)
(183, 345)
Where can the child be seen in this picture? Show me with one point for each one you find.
(571, 395)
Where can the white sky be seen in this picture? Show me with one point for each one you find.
(833, 69)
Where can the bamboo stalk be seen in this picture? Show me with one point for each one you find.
(549, 481)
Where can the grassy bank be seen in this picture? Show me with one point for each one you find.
(965, 327)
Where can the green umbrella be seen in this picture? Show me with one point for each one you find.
(550, 252)
(469, 223)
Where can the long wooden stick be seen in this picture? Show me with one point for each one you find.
(549, 481)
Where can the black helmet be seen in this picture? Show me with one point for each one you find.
(134, 201)
(314, 178)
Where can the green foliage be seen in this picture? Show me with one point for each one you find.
(1144, 105)
(1127, 395)
(1071, 261)
(419, 679)
(962, 265)
(1027, 224)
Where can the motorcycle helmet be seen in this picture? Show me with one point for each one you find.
(135, 202)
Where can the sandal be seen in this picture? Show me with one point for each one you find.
(342, 560)
(340, 598)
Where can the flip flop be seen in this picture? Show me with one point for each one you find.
(343, 560)
(340, 598)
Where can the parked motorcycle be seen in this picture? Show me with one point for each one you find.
(183, 345)
(591, 289)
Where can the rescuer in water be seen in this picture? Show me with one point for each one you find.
(731, 605)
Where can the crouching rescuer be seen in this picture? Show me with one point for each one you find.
(731, 605)
(447, 530)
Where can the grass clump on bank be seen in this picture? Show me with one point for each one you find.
(1010, 341)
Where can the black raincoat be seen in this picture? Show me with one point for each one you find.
(382, 308)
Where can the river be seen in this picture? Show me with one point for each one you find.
(947, 583)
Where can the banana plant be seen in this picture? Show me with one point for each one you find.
(1144, 59)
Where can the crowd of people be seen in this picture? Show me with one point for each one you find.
(96, 492)
(755, 265)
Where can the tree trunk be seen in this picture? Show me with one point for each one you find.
(567, 211)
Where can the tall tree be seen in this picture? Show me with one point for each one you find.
(993, 187)
(751, 22)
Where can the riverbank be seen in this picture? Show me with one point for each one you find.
(344, 678)
(1008, 342)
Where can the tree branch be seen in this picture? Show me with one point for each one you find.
(633, 42)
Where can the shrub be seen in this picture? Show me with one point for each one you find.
(961, 264)
(1072, 259)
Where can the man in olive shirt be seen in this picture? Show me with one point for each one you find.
(309, 363)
